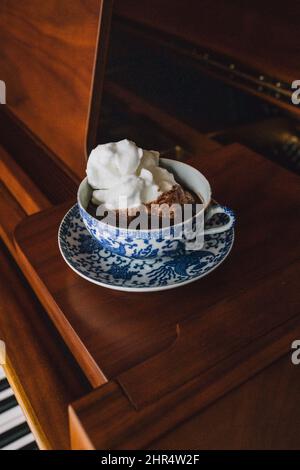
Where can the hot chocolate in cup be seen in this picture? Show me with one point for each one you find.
(163, 241)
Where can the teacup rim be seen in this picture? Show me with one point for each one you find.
(152, 230)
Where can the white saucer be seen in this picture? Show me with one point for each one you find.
(95, 264)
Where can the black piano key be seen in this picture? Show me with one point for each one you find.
(3, 384)
(30, 446)
(7, 404)
(14, 434)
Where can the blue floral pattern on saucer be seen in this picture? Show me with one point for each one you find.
(90, 260)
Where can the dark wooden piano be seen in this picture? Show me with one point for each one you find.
(205, 366)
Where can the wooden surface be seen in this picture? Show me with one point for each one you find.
(263, 413)
(117, 334)
(261, 35)
(108, 418)
(24, 190)
(157, 359)
(42, 372)
(37, 358)
(35, 161)
(47, 63)
(250, 417)
(11, 213)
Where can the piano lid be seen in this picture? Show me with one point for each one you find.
(48, 51)
(260, 37)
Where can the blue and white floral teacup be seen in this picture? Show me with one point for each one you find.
(151, 243)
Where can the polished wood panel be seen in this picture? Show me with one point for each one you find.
(261, 414)
(157, 359)
(221, 335)
(30, 198)
(48, 64)
(11, 213)
(41, 371)
(110, 332)
(36, 161)
(262, 35)
(107, 418)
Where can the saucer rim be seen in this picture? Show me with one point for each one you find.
(138, 289)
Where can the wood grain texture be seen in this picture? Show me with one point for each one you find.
(36, 160)
(263, 413)
(111, 332)
(107, 418)
(30, 198)
(41, 371)
(261, 35)
(221, 334)
(11, 213)
(47, 62)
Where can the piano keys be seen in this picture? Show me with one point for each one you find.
(15, 433)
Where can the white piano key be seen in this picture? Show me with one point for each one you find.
(23, 441)
(12, 422)
(6, 393)
(12, 413)
(2, 375)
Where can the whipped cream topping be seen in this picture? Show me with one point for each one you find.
(125, 176)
